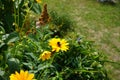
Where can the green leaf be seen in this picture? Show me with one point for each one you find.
(17, 2)
(13, 64)
(2, 44)
(32, 56)
(12, 37)
(2, 73)
(29, 65)
(36, 8)
(1, 57)
(42, 67)
(2, 30)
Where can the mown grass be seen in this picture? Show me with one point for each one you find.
(97, 22)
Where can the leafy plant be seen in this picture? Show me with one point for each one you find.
(48, 57)
(61, 24)
(81, 61)
(14, 16)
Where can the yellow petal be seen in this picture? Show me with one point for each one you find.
(30, 77)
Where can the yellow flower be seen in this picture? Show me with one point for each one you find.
(45, 55)
(58, 44)
(39, 1)
(24, 75)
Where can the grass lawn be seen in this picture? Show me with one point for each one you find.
(96, 22)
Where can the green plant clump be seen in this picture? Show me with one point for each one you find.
(80, 61)
(27, 48)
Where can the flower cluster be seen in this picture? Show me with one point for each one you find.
(57, 45)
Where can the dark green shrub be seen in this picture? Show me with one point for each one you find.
(61, 23)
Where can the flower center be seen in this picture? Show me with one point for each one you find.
(58, 43)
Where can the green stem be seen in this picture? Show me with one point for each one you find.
(16, 27)
(18, 14)
(26, 17)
